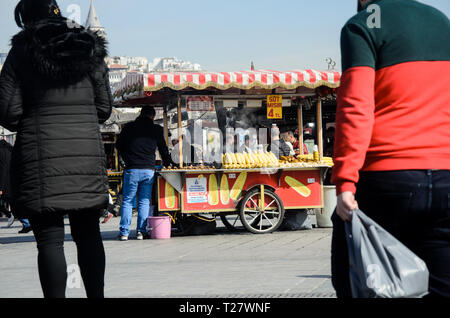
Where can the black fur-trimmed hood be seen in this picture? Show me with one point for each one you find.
(59, 48)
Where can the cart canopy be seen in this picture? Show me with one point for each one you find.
(138, 85)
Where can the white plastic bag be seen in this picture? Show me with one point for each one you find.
(380, 265)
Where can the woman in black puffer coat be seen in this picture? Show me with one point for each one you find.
(54, 91)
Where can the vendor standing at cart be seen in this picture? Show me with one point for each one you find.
(278, 146)
(296, 143)
(137, 144)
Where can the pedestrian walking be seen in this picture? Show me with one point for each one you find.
(392, 142)
(137, 144)
(54, 91)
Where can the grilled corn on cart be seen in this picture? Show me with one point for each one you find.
(258, 188)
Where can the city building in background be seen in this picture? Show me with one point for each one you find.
(134, 63)
(117, 73)
(159, 64)
(119, 66)
(172, 64)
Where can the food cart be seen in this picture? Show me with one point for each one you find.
(258, 188)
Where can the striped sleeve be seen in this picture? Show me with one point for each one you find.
(356, 105)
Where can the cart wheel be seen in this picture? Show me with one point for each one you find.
(258, 220)
(231, 221)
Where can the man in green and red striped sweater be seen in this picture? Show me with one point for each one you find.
(392, 141)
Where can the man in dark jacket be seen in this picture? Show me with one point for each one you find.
(54, 91)
(278, 146)
(137, 144)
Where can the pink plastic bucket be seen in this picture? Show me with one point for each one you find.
(160, 227)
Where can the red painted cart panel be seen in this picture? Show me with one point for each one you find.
(221, 191)
(163, 203)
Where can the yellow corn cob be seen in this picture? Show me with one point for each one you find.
(229, 159)
(275, 159)
(238, 185)
(238, 158)
(241, 159)
(213, 195)
(264, 160)
(270, 159)
(253, 160)
(169, 196)
(224, 190)
(259, 163)
(233, 158)
(299, 187)
(247, 159)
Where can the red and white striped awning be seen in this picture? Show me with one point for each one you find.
(136, 83)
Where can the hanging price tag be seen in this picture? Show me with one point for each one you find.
(274, 107)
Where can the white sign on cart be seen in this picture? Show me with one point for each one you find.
(196, 190)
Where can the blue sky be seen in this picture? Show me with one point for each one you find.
(221, 35)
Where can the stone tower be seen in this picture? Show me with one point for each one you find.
(93, 22)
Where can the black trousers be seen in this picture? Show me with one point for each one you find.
(414, 206)
(85, 229)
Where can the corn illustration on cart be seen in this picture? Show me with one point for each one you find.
(260, 197)
(256, 189)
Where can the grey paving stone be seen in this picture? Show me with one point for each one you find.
(291, 264)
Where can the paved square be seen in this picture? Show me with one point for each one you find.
(229, 265)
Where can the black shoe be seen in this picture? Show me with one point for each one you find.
(25, 230)
(142, 236)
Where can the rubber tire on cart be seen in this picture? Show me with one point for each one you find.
(231, 221)
(256, 223)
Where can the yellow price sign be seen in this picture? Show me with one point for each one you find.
(274, 107)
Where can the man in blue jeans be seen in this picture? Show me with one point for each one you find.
(137, 144)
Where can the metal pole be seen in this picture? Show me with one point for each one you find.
(319, 127)
(166, 133)
(300, 128)
(180, 132)
(262, 200)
